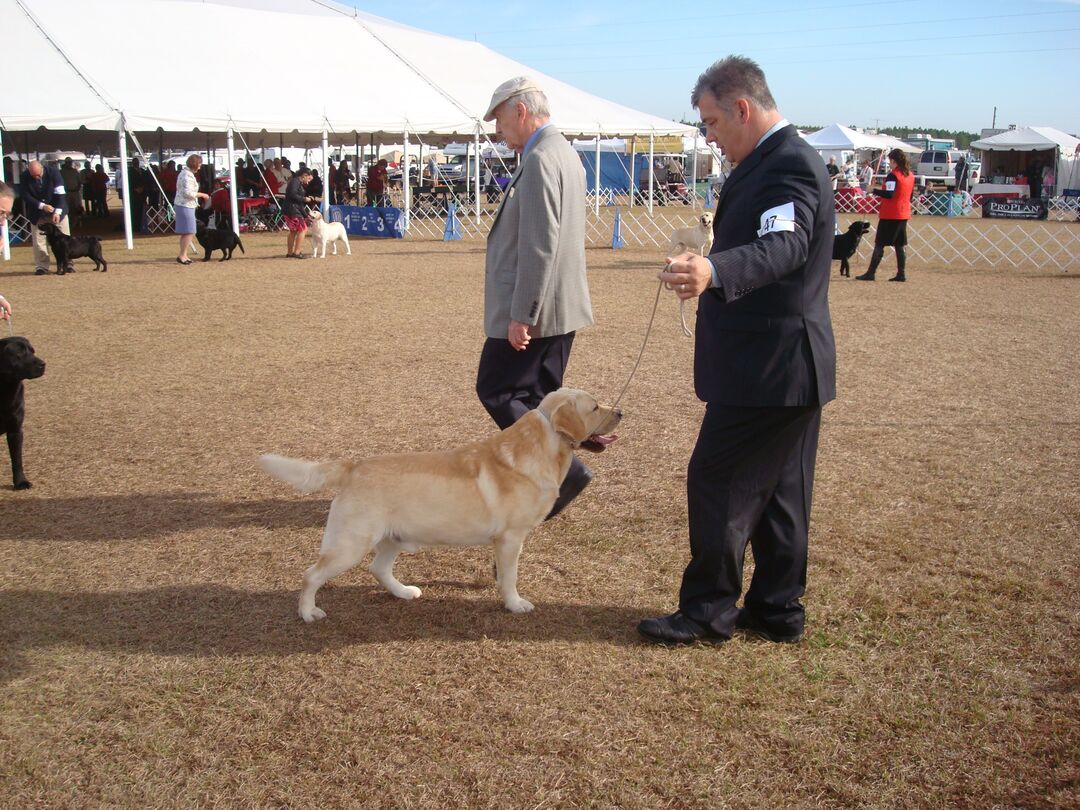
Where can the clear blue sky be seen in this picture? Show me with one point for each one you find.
(886, 63)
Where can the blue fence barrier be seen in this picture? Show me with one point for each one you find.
(364, 221)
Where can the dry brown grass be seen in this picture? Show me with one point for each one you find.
(150, 653)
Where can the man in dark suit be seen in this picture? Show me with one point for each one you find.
(44, 201)
(764, 363)
(536, 294)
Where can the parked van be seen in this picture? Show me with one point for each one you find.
(937, 166)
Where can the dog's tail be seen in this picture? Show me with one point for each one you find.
(306, 476)
(240, 244)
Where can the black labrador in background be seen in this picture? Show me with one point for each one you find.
(17, 363)
(845, 244)
(222, 239)
(67, 248)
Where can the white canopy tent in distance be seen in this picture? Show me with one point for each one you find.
(1010, 152)
(390, 82)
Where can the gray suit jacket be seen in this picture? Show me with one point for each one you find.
(535, 265)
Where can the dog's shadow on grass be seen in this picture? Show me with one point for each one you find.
(143, 516)
(214, 620)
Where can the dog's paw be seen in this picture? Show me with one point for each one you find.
(408, 592)
(24, 484)
(312, 615)
(520, 606)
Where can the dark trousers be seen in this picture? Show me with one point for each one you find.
(138, 204)
(511, 383)
(750, 480)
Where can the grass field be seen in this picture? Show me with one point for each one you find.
(150, 652)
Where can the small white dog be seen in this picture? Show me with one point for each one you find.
(696, 238)
(323, 232)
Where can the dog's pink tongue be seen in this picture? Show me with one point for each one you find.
(602, 439)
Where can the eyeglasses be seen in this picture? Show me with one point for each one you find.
(4, 214)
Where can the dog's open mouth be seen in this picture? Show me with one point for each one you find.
(598, 442)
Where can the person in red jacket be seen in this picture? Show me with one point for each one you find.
(893, 216)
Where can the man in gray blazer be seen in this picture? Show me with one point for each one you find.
(535, 291)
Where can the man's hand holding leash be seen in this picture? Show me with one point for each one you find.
(688, 275)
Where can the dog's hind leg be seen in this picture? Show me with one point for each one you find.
(348, 250)
(342, 548)
(386, 552)
(507, 552)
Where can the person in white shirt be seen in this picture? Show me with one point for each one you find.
(187, 198)
(866, 176)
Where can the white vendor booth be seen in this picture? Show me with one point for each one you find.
(1007, 156)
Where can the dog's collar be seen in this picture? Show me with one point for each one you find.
(568, 439)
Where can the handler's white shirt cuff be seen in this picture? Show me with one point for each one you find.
(715, 275)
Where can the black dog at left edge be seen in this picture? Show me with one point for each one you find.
(222, 239)
(68, 248)
(17, 363)
(845, 245)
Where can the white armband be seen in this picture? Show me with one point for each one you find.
(778, 218)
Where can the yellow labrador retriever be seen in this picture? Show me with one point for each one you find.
(494, 491)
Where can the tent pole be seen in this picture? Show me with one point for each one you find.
(324, 206)
(476, 174)
(406, 191)
(596, 172)
(232, 181)
(125, 185)
(652, 163)
(633, 160)
(693, 169)
(356, 165)
(4, 227)
(160, 148)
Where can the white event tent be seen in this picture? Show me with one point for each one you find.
(187, 72)
(1051, 145)
(837, 138)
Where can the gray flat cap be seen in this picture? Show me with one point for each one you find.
(507, 90)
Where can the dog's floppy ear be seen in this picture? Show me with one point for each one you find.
(566, 421)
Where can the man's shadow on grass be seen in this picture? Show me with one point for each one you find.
(143, 516)
(212, 620)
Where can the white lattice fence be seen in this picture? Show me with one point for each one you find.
(952, 230)
(965, 240)
(158, 219)
(18, 229)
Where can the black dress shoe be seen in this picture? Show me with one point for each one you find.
(750, 623)
(677, 629)
(576, 480)
(899, 277)
(865, 277)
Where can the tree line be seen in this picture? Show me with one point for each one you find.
(961, 139)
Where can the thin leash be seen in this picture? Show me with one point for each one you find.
(645, 341)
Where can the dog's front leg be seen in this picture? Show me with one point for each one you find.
(15, 442)
(507, 551)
